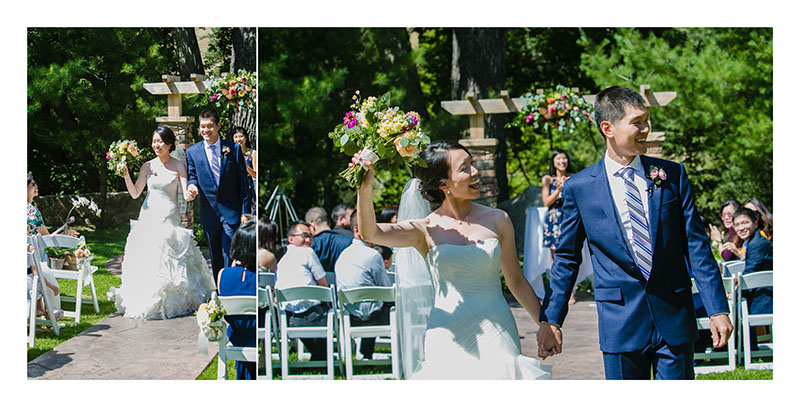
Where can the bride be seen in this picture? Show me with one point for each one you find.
(164, 274)
(470, 332)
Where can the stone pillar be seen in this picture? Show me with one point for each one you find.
(183, 127)
(483, 151)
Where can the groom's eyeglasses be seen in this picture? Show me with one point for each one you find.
(303, 235)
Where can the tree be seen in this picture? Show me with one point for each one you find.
(189, 59)
(720, 126)
(243, 49)
(479, 66)
(85, 91)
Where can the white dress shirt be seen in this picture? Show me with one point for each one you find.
(361, 266)
(218, 146)
(299, 266)
(617, 184)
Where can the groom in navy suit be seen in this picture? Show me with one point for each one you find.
(217, 172)
(644, 234)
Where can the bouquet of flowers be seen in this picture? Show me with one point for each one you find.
(561, 109)
(209, 319)
(385, 135)
(120, 153)
(228, 89)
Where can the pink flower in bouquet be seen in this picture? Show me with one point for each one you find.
(243, 80)
(225, 150)
(662, 174)
(350, 120)
(529, 118)
(413, 120)
(213, 97)
(653, 173)
(108, 155)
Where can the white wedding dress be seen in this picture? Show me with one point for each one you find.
(471, 333)
(164, 274)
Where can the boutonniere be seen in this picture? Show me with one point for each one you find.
(656, 175)
(225, 150)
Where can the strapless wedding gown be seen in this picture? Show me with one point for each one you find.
(164, 274)
(471, 333)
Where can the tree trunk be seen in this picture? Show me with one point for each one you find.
(244, 49)
(244, 118)
(189, 57)
(479, 66)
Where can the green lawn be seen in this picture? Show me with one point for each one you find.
(105, 244)
(738, 374)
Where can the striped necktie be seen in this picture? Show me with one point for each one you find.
(641, 231)
(214, 164)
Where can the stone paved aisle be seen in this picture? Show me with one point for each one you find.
(581, 358)
(125, 348)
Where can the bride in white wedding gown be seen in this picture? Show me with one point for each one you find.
(164, 274)
(470, 332)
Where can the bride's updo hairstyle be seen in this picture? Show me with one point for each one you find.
(437, 156)
(167, 136)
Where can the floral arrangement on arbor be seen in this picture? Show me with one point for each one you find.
(560, 109)
(384, 134)
(121, 153)
(228, 89)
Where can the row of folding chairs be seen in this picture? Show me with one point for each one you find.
(338, 333)
(83, 277)
(739, 346)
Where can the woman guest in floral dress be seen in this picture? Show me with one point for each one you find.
(552, 184)
(240, 137)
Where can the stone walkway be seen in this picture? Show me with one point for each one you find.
(125, 348)
(580, 358)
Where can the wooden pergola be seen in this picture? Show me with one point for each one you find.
(483, 149)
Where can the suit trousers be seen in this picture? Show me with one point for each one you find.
(379, 317)
(314, 316)
(218, 238)
(666, 362)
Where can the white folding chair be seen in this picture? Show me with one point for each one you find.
(38, 287)
(348, 332)
(728, 283)
(266, 279)
(83, 276)
(236, 305)
(748, 282)
(269, 332)
(287, 333)
(733, 268)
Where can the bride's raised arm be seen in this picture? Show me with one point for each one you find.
(136, 189)
(402, 234)
(509, 264)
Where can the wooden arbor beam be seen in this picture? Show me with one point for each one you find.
(171, 87)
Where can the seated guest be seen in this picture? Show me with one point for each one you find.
(268, 244)
(386, 255)
(389, 214)
(728, 245)
(758, 257)
(327, 244)
(300, 266)
(362, 266)
(763, 213)
(35, 221)
(340, 217)
(240, 279)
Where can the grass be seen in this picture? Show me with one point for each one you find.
(738, 374)
(357, 370)
(211, 371)
(105, 244)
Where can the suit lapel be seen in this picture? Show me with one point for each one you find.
(602, 191)
(223, 157)
(653, 202)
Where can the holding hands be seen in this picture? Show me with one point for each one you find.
(549, 339)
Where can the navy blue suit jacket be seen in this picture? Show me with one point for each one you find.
(758, 258)
(628, 306)
(231, 199)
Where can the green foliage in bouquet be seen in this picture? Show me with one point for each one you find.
(385, 135)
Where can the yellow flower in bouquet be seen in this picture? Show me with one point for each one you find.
(390, 137)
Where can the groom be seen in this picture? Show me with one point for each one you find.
(644, 236)
(217, 172)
